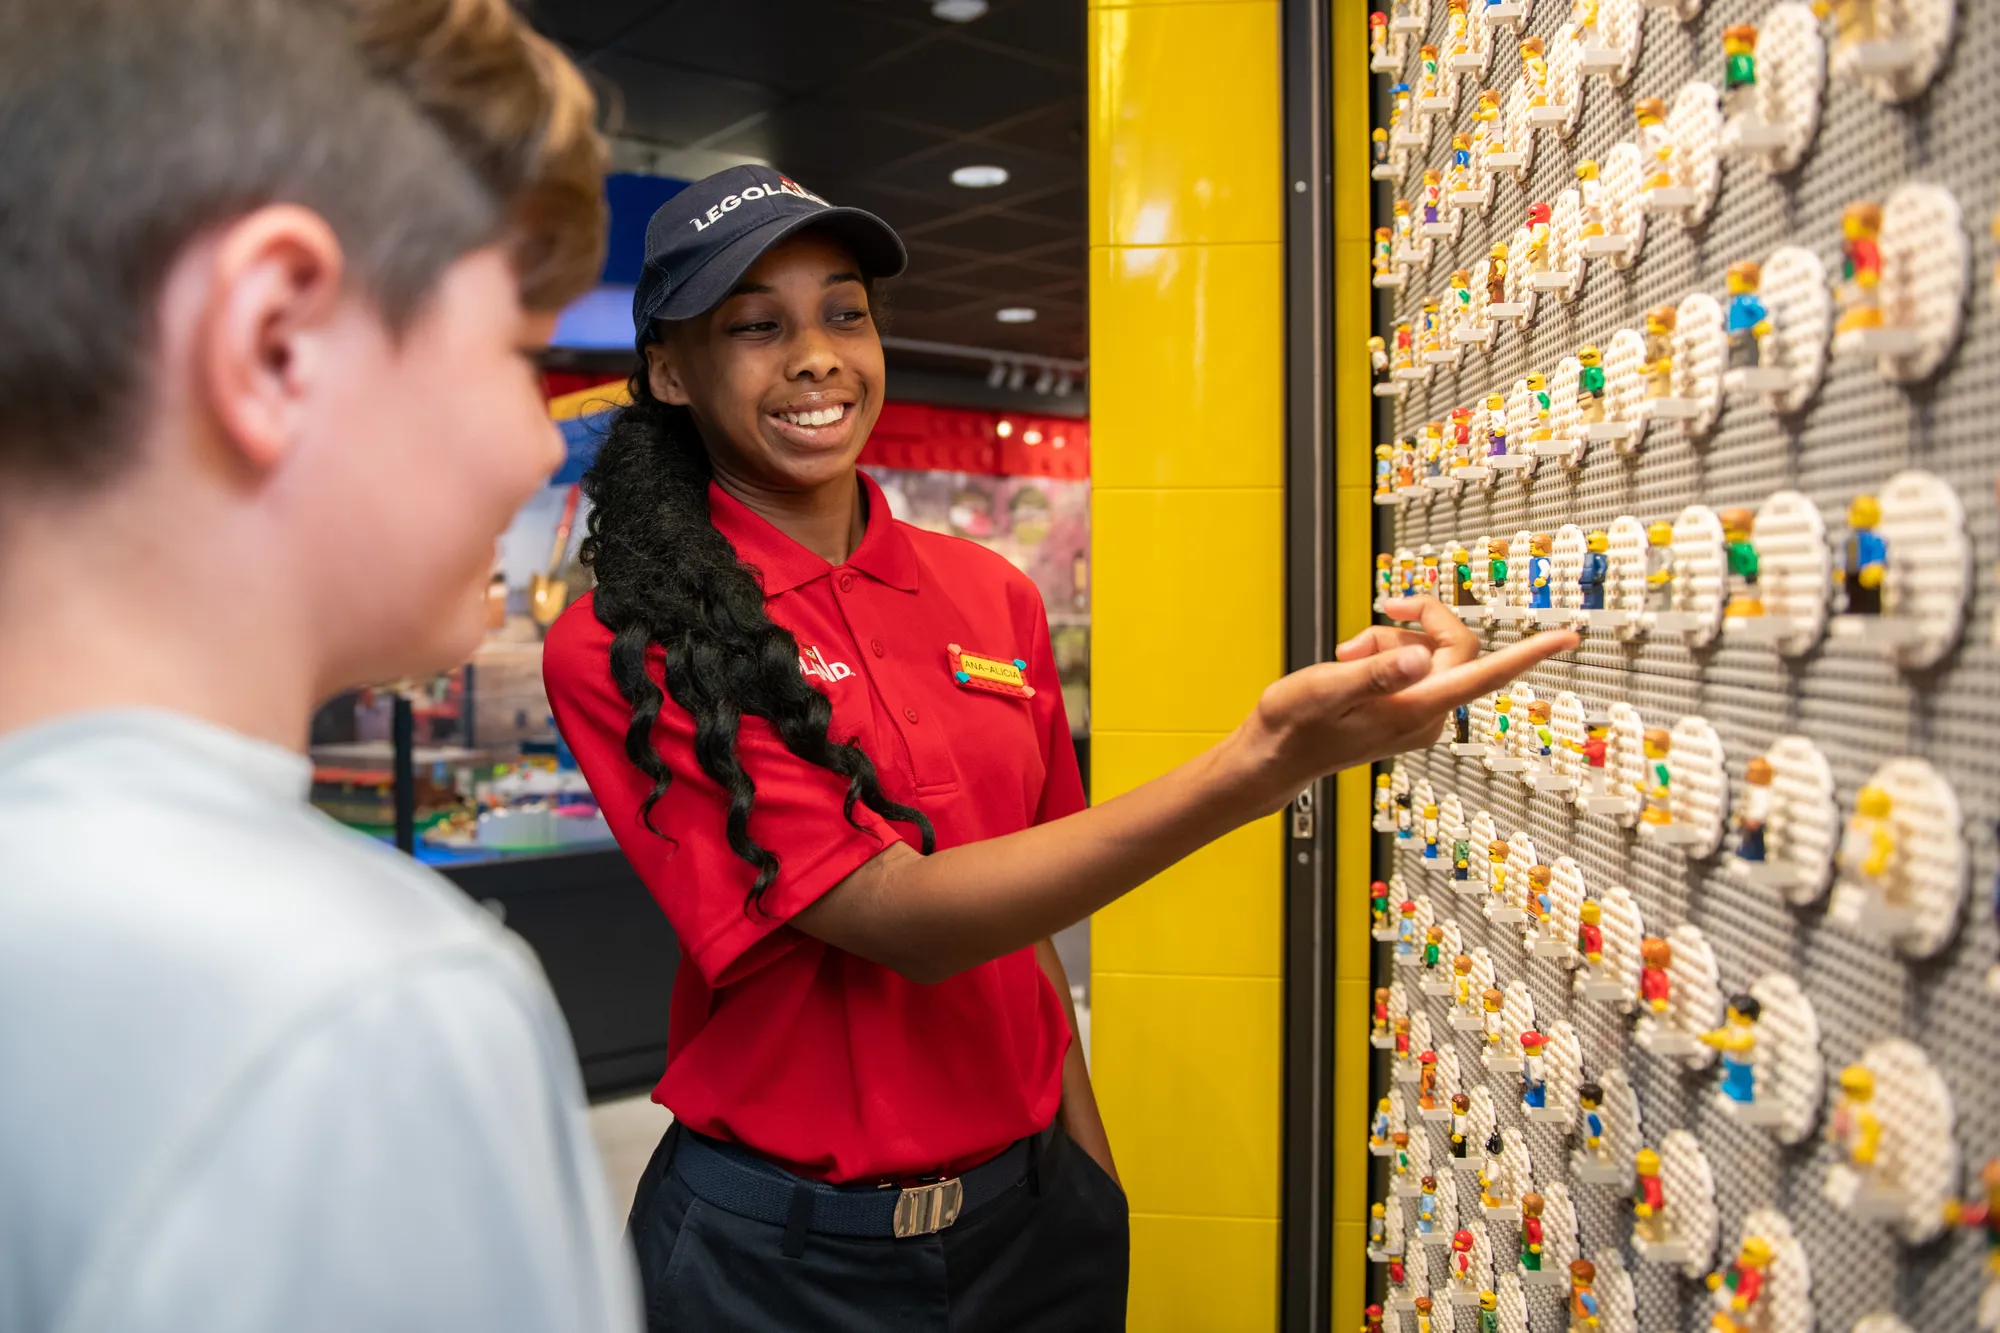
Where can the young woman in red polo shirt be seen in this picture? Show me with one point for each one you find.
(833, 747)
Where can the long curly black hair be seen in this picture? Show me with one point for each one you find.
(665, 576)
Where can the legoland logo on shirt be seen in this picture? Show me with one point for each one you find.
(731, 202)
(813, 664)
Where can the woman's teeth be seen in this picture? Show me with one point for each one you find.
(825, 416)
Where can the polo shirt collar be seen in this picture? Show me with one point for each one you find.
(885, 554)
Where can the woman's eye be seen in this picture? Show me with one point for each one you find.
(758, 326)
(850, 316)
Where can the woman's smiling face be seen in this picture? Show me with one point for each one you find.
(784, 378)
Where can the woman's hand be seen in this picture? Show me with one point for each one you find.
(1387, 690)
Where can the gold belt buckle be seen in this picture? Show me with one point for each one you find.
(923, 1209)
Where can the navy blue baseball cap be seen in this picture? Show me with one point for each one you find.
(703, 240)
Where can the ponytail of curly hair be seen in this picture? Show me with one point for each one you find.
(665, 576)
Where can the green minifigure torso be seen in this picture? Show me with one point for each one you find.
(1497, 573)
(1591, 380)
(1743, 560)
(1739, 72)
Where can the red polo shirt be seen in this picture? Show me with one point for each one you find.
(810, 1055)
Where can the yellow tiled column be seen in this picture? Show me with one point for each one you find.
(1187, 445)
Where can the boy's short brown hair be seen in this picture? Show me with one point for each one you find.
(419, 129)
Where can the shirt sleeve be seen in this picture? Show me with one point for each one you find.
(685, 858)
(1062, 790)
(415, 1157)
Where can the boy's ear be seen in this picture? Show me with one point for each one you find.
(663, 376)
(266, 289)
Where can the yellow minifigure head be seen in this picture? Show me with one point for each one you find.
(1597, 542)
(1407, 560)
(1462, 964)
(1461, 143)
(1433, 430)
(1383, 1107)
(1598, 731)
(1430, 560)
(1539, 712)
(1864, 511)
(1739, 39)
(1489, 104)
(1407, 909)
(1646, 1162)
(1402, 332)
(1455, 7)
(1588, 357)
(1660, 320)
(1857, 1082)
(1862, 221)
(1382, 779)
(1401, 208)
(1650, 111)
(1759, 773)
(1431, 176)
(1659, 741)
(1589, 1096)
(1376, 1209)
(1532, 49)
(1382, 235)
(1492, 1000)
(1375, 343)
(1539, 877)
(1537, 381)
(1430, 811)
(1498, 252)
(1660, 534)
(1489, 1301)
(1498, 547)
(1461, 277)
(1744, 1010)
(1582, 1273)
(1460, 556)
(1502, 704)
(1745, 275)
(1586, 170)
(1737, 524)
(1538, 544)
(1495, 403)
(1872, 802)
(1428, 54)
(1496, 851)
(1590, 912)
(1756, 1253)
(1379, 135)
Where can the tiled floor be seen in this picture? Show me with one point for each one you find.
(627, 1130)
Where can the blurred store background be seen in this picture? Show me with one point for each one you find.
(962, 123)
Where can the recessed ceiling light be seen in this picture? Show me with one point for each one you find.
(1031, 436)
(979, 177)
(1004, 428)
(1015, 314)
(958, 11)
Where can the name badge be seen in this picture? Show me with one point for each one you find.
(996, 675)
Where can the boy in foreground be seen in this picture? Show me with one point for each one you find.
(275, 271)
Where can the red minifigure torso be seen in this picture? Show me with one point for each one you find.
(1655, 986)
(1590, 940)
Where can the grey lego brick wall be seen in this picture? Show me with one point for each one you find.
(1851, 701)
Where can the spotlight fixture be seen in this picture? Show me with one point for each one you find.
(1017, 378)
(1003, 428)
(1064, 385)
(979, 176)
(1015, 314)
(1046, 384)
(1031, 437)
(996, 376)
(958, 11)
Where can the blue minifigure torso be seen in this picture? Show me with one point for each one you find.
(1593, 1125)
(1596, 567)
(1538, 582)
(1738, 1078)
(1744, 313)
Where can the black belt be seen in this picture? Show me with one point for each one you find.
(738, 1181)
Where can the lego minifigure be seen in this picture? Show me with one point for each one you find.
(1433, 331)
(1589, 934)
(1461, 569)
(1538, 401)
(1585, 1311)
(1385, 484)
(1461, 292)
(1656, 144)
(1406, 479)
(1378, 142)
(1427, 72)
(1583, 21)
(1404, 829)
(1660, 567)
(1427, 1206)
(1399, 1278)
(1531, 1232)
(1491, 1002)
(1461, 438)
(1866, 565)
(1461, 162)
(1656, 985)
(1658, 790)
(1371, 1319)
(1534, 1071)
(1433, 949)
(1400, 1158)
(1503, 722)
(1744, 316)
(1739, 72)
(1860, 268)
(1461, 1121)
(1739, 1288)
(1755, 811)
(1590, 385)
(1535, 70)
(1427, 572)
(1590, 200)
(1401, 1028)
(1378, 1127)
(1489, 1173)
(1540, 571)
(1984, 1215)
(1378, 37)
(1459, 29)
(1589, 1100)
(1496, 275)
(1385, 797)
(1496, 429)
(1378, 1225)
(1461, 1257)
(1399, 104)
(1596, 566)
(1661, 321)
(1461, 967)
(1384, 251)
(1433, 458)
(1378, 356)
(1596, 751)
(1461, 857)
(1406, 928)
(1736, 1039)
(1868, 851)
(1738, 527)
(1649, 1197)
(1539, 234)
(1427, 1080)
(1489, 1312)
(1496, 868)
(1461, 725)
(1433, 196)
(1540, 897)
(1855, 1130)
(1379, 1019)
(1405, 349)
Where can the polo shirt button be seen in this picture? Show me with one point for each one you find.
(910, 713)
(876, 644)
(847, 583)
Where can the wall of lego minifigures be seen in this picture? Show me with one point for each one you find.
(1688, 326)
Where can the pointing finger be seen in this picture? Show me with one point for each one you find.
(1449, 687)
(1378, 639)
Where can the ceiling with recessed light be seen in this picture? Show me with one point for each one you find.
(877, 103)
